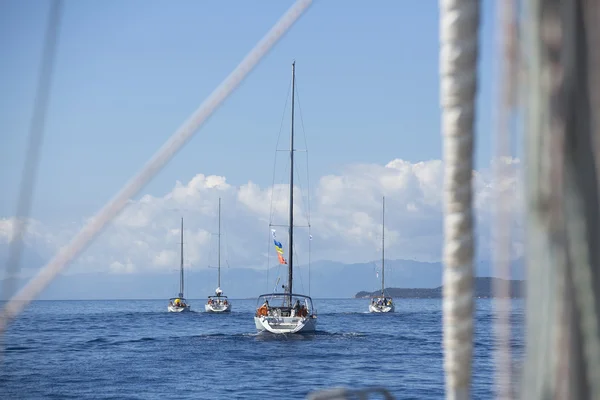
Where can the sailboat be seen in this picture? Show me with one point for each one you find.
(179, 303)
(382, 303)
(218, 303)
(283, 313)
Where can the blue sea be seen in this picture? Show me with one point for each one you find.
(137, 350)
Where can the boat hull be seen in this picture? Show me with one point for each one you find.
(176, 309)
(217, 308)
(284, 325)
(381, 309)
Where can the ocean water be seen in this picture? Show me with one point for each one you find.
(137, 350)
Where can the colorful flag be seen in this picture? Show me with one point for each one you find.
(281, 259)
(279, 249)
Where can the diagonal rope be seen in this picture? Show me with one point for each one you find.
(33, 288)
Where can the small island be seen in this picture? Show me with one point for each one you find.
(483, 288)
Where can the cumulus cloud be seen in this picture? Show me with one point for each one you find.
(345, 218)
(36, 234)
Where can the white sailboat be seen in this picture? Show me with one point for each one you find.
(179, 303)
(218, 303)
(283, 313)
(382, 303)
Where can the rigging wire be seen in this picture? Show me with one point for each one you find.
(309, 249)
(292, 251)
(299, 182)
(305, 151)
(286, 240)
(83, 238)
(287, 96)
(36, 137)
(225, 240)
(307, 184)
(225, 244)
(297, 269)
(213, 247)
(303, 203)
(181, 212)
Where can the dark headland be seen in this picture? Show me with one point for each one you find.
(483, 289)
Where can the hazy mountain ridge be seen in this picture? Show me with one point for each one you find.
(483, 287)
(329, 279)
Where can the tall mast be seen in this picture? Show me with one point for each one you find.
(291, 231)
(219, 279)
(383, 248)
(181, 268)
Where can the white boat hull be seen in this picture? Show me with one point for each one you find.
(283, 325)
(380, 309)
(217, 308)
(173, 308)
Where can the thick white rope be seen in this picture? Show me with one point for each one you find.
(39, 282)
(459, 23)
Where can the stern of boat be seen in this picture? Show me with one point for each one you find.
(283, 325)
(283, 313)
(178, 309)
(217, 308)
(381, 309)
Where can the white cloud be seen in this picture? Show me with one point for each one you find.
(117, 267)
(345, 219)
(36, 234)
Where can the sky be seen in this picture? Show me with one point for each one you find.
(128, 73)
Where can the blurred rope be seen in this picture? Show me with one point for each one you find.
(563, 276)
(507, 36)
(32, 157)
(581, 208)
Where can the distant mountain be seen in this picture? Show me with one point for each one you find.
(483, 289)
(329, 279)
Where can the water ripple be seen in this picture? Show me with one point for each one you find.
(93, 349)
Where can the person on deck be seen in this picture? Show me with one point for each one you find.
(303, 311)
